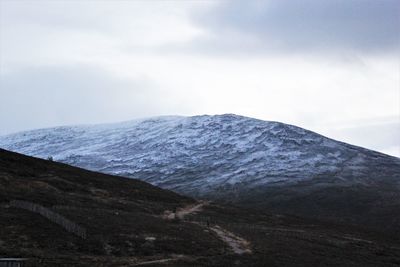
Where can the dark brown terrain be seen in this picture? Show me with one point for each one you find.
(131, 223)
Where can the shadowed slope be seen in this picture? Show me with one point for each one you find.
(126, 226)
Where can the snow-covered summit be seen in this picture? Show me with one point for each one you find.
(203, 154)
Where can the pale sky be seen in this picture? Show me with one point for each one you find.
(328, 66)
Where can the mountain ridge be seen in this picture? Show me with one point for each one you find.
(132, 121)
(230, 158)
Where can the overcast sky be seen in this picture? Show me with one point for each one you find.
(331, 66)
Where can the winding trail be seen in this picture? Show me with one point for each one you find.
(173, 258)
(236, 243)
(154, 261)
(182, 212)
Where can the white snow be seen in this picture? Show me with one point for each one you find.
(198, 154)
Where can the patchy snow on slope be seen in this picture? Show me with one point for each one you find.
(197, 154)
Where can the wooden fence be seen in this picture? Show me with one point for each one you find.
(68, 225)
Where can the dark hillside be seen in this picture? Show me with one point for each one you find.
(131, 223)
(265, 165)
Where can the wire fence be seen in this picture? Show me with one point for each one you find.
(67, 224)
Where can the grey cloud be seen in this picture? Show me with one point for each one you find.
(48, 96)
(60, 14)
(304, 25)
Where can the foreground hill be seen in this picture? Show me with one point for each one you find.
(237, 159)
(130, 223)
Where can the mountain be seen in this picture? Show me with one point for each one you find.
(259, 164)
(127, 222)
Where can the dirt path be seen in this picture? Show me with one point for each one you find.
(179, 257)
(182, 212)
(155, 261)
(237, 244)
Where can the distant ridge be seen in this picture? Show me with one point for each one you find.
(232, 158)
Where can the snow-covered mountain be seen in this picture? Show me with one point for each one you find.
(255, 163)
(204, 154)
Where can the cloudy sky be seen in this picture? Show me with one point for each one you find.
(331, 66)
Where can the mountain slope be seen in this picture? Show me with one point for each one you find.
(127, 223)
(229, 157)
